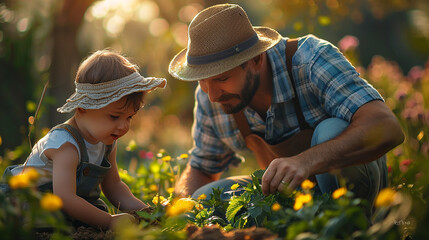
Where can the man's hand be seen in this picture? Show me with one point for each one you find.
(373, 131)
(284, 173)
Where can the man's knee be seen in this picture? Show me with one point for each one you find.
(365, 180)
(368, 179)
(328, 129)
(224, 185)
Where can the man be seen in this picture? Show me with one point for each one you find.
(246, 98)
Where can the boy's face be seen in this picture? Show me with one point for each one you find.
(106, 124)
(233, 89)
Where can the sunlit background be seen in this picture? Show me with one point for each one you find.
(45, 40)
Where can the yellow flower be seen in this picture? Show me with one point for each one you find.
(307, 184)
(297, 205)
(305, 198)
(166, 158)
(385, 197)
(199, 206)
(181, 206)
(132, 146)
(301, 199)
(184, 155)
(153, 187)
(19, 181)
(276, 207)
(155, 199)
(339, 193)
(298, 26)
(1, 141)
(170, 190)
(324, 20)
(235, 186)
(32, 174)
(51, 202)
(202, 197)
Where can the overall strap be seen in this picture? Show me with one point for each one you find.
(291, 47)
(240, 118)
(78, 138)
(242, 123)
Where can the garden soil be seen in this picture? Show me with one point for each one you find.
(193, 233)
(215, 233)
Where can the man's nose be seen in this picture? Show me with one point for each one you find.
(211, 89)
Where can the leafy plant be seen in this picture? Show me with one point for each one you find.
(24, 210)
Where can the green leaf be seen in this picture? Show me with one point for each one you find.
(255, 211)
(234, 206)
(216, 220)
(258, 173)
(228, 228)
(203, 214)
(241, 222)
(296, 228)
(257, 178)
(144, 214)
(334, 225)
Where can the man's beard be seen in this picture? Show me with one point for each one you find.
(245, 95)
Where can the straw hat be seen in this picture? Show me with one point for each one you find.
(220, 38)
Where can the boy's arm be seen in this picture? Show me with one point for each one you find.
(65, 161)
(118, 193)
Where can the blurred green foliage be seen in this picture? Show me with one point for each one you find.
(45, 40)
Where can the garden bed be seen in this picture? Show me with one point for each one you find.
(192, 233)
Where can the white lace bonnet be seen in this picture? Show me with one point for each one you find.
(96, 96)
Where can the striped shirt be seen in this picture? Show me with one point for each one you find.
(327, 86)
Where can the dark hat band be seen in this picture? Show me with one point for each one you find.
(199, 60)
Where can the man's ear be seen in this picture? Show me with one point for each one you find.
(257, 61)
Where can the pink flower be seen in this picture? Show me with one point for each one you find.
(389, 169)
(404, 164)
(149, 155)
(348, 43)
(398, 151)
(400, 94)
(142, 154)
(415, 74)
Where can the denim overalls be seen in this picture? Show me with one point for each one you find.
(88, 175)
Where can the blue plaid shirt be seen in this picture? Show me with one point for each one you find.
(327, 86)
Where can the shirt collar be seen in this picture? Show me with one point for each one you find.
(282, 86)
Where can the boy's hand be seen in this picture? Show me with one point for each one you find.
(122, 219)
(147, 209)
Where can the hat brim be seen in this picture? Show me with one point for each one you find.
(102, 99)
(180, 69)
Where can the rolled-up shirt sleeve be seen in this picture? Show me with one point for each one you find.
(209, 153)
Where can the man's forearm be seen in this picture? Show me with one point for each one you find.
(192, 179)
(372, 132)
